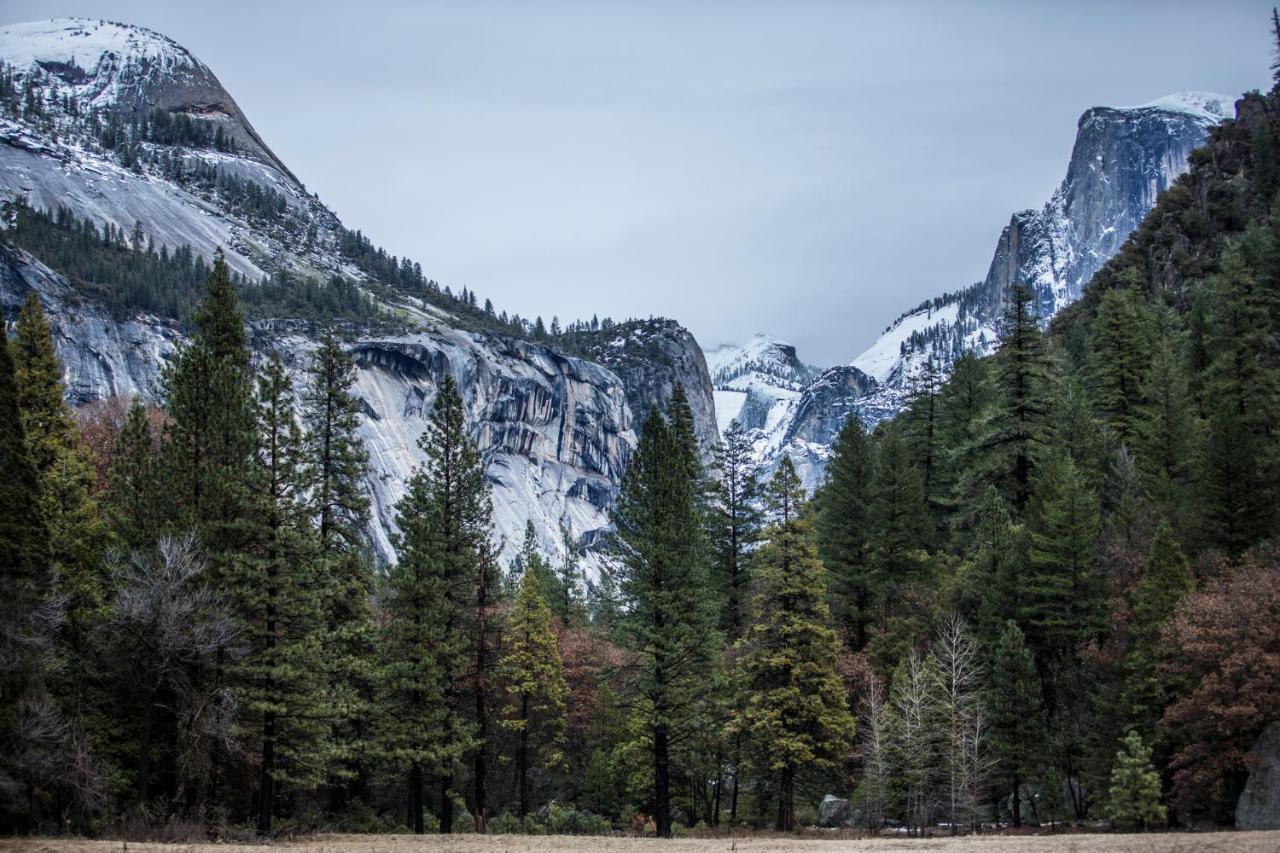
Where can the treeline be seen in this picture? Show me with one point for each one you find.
(195, 634)
(128, 274)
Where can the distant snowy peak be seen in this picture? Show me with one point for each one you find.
(768, 358)
(1208, 106)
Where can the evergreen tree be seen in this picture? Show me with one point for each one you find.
(444, 524)
(1018, 428)
(898, 526)
(132, 498)
(796, 717)
(209, 435)
(1062, 598)
(1119, 361)
(1243, 399)
(1135, 784)
(1017, 716)
(1168, 438)
(276, 589)
(921, 427)
(335, 463)
(24, 564)
(842, 528)
(963, 408)
(668, 623)
(737, 525)
(535, 687)
(78, 537)
(1164, 584)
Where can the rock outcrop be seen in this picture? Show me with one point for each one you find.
(1259, 803)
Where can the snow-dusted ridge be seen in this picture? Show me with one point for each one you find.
(1123, 158)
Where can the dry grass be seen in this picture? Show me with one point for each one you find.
(1216, 842)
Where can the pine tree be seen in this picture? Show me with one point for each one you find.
(276, 591)
(963, 409)
(1062, 598)
(669, 623)
(1119, 361)
(1135, 785)
(132, 498)
(24, 556)
(1164, 584)
(1017, 716)
(1168, 437)
(536, 693)
(1243, 399)
(1018, 428)
(842, 529)
(737, 525)
(78, 537)
(898, 524)
(444, 526)
(922, 430)
(335, 463)
(209, 436)
(796, 717)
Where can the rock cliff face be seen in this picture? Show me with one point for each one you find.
(651, 356)
(1122, 160)
(556, 431)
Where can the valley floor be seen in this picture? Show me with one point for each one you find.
(1215, 842)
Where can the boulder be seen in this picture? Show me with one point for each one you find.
(835, 812)
(1259, 803)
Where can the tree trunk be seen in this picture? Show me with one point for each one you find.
(717, 789)
(786, 800)
(522, 756)
(1017, 802)
(661, 781)
(144, 749)
(446, 804)
(480, 765)
(415, 798)
(266, 782)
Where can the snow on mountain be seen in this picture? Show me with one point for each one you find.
(1121, 161)
(94, 61)
(555, 431)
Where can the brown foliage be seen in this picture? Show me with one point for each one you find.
(100, 423)
(1225, 650)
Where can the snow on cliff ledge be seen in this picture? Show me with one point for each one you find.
(1206, 105)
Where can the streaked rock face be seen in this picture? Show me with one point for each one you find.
(556, 431)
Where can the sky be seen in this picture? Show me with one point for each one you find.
(806, 169)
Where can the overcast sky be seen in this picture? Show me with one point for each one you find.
(806, 169)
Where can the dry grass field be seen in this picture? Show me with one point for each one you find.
(1218, 842)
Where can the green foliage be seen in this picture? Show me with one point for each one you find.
(735, 526)
(795, 718)
(534, 677)
(443, 520)
(669, 624)
(1018, 734)
(1062, 595)
(1135, 785)
(842, 530)
(115, 269)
